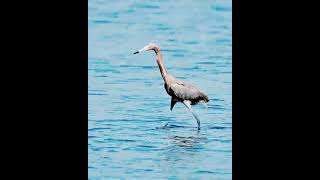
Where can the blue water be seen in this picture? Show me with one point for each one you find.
(127, 100)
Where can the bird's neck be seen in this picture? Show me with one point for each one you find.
(162, 68)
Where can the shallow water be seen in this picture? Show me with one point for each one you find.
(127, 101)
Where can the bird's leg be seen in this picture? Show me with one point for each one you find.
(188, 105)
(165, 125)
(198, 121)
(173, 102)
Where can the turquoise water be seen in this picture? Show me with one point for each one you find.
(127, 101)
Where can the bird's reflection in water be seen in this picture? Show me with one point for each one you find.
(184, 141)
(182, 152)
(189, 141)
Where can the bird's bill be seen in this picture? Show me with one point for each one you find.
(143, 49)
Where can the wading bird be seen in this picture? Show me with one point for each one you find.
(179, 91)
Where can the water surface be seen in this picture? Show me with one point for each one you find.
(127, 101)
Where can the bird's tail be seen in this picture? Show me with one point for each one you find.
(206, 99)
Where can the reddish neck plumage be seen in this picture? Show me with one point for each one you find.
(162, 68)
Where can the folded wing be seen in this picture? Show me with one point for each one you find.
(186, 91)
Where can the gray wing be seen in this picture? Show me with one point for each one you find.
(187, 91)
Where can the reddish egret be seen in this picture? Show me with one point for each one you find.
(179, 91)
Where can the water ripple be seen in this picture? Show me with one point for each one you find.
(132, 133)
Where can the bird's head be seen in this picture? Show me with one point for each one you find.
(150, 46)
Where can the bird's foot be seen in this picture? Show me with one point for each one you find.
(165, 125)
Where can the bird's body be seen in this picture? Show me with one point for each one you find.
(182, 91)
(179, 90)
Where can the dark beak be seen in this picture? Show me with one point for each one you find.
(136, 52)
